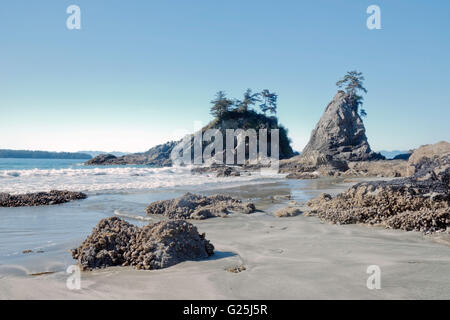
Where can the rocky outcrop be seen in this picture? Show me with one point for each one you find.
(161, 154)
(287, 212)
(158, 156)
(312, 166)
(420, 202)
(430, 155)
(303, 175)
(192, 206)
(115, 242)
(402, 156)
(39, 198)
(381, 168)
(219, 170)
(103, 159)
(338, 139)
(340, 134)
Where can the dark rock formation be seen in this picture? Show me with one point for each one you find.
(340, 133)
(219, 170)
(420, 202)
(192, 206)
(402, 156)
(158, 156)
(338, 139)
(312, 165)
(161, 154)
(115, 242)
(228, 172)
(430, 155)
(103, 159)
(303, 175)
(39, 198)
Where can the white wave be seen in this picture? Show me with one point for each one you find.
(132, 216)
(112, 179)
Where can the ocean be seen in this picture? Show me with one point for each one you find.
(35, 175)
(51, 231)
(297, 257)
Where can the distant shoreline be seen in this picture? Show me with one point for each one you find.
(29, 154)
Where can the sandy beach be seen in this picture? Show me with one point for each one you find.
(285, 258)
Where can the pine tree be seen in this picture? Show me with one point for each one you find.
(249, 100)
(221, 105)
(269, 102)
(353, 83)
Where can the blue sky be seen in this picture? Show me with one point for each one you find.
(140, 72)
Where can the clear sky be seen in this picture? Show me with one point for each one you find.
(140, 72)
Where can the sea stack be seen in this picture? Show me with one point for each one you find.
(340, 134)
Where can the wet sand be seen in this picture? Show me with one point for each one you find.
(285, 258)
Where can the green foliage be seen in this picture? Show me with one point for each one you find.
(352, 83)
(249, 100)
(269, 100)
(221, 105)
(240, 111)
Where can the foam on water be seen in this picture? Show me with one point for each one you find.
(112, 179)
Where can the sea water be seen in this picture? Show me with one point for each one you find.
(51, 231)
(30, 175)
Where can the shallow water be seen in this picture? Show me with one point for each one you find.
(297, 257)
(50, 231)
(57, 229)
(285, 258)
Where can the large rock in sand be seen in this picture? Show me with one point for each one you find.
(115, 242)
(193, 206)
(430, 155)
(39, 198)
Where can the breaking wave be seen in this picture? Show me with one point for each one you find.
(112, 179)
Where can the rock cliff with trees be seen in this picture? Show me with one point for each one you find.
(228, 114)
(339, 137)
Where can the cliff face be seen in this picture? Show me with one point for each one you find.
(340, 134)
(160, 154)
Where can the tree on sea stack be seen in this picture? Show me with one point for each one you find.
(250, 99)
(221, 105)
(269, 102)
(353, 84)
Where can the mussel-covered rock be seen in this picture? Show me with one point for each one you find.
(115, 242)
